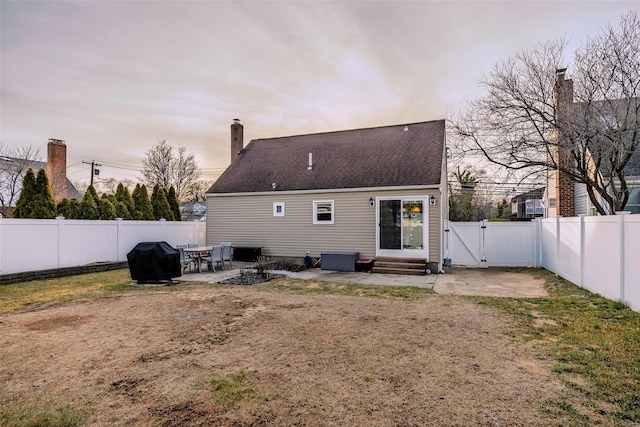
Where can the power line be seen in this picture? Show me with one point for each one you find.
(94, 171)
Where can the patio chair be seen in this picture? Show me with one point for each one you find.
(188, 256)
(215, 257)
(226, 253)
(185, 261)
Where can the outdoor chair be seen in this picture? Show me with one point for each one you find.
(226, 253)
(185, 261)
(188, 256)
(214, 258)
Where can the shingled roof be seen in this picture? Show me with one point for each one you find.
(390, 156)
(71, 191)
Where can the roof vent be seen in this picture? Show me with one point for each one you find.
(406, 128)
(310, 167)
(274, 185)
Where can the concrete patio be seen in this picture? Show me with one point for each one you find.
(455, 281)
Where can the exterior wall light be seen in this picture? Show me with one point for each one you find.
(371, 201)
(432, 200)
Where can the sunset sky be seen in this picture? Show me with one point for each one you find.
(111, 78)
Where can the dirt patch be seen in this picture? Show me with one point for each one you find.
(494, 282)
(319, 360)
(60, 321)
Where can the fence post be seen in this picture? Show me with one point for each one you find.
(557, 246)
(483, 255)
(582, 249)
(118, 231)
(1, 257)
(445, 239)
(621, 216)
(537, 251)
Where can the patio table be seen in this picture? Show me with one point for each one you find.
(197, 253)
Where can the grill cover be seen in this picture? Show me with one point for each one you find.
(153, 262)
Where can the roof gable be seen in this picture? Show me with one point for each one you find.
(71, 191)
(389, 156)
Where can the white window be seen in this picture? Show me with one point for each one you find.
(323, 212)
(278, 208)
(633, 205)
(534, 207)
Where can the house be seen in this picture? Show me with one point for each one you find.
(528, 205)
(632, 174)
(563, 197)
(55, 166)
(381, 192)
(193, 211)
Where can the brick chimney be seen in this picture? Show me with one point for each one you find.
(57, 168)
(237, 139)
(563, 102)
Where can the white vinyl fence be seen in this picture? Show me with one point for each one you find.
(40, 244)
(599, 253)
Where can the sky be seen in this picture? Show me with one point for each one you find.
(112, 78)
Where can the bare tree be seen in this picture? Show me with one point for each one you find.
(518, 126)
(168, 167)
(14, 163)
(185, 173)
(109, 185)
(198, 190)
(468, 200)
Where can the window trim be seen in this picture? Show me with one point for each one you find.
(277, 205)
(315, 212)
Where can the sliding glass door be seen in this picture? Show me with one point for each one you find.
(402, 227)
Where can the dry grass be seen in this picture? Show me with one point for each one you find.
(291, 353)
(17, 296)
(593, 345)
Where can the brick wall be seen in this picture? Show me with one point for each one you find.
(57, 168)
(563, 101)
(237, 139)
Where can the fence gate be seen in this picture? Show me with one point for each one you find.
(491, 244)
(464, 243)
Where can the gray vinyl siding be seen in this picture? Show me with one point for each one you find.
(247, 220)
(581, 199)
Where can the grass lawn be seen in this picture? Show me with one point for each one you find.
(17, 296)
(590, 343)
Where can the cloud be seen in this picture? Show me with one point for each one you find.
(113, 77)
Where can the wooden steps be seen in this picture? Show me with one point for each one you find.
(407, 266)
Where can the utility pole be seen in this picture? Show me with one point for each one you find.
(94, 171)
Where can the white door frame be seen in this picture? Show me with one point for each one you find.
(404, 253)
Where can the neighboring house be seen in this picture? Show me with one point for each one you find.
(193, 211)
(632, 174)
(563, 197)
(528, 205)
(56, 168)
(379, 191)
